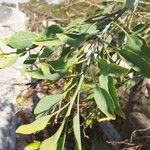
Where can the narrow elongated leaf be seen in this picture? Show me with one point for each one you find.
(139, 28)
(33, 146)
(76, 129)
(8, 61)
(22, 40)
(111, 69)
(35, 126)
(103, 100)
(51, 142)
(61, 143)
(138, 63)
(47, 102)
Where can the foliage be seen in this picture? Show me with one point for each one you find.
(89, 60)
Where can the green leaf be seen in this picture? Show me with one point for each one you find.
(107, 83)
(38, 74)
(45, 69)
(138, 45)
(139, 28)
(131, 4)
(61, 143)
(134, 60)
(111, 69)
(74, 40)
(104, 102)
(89, 28)
(35, 126)
(47, 103)
(50, 33)
(58, 65)
(53, 140)
(22, 40)
(8, 61)
(31, 59)
(33, 146)
(134, 43)
(76, 129)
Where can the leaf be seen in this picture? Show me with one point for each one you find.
(58, 65)
(131, 4)
(107, 83)
(22, 40)
(74, 40)
(31, 59)
(111, 69)
(103, 100)
(76, 129)
(134, 60)
(45, 69)
(61, 143)
(33, 146)
(37, 74)
(47, 103)
(52, 141)
(139, 28)
(134, 43)
(8, 61)
(35, 126)
(88, 28)
(50, 33)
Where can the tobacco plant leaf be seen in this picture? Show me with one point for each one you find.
(35, 126)
(47, 103)
(76, 129)
(137, 62)
(106, 82)
(104, 102)
(52, 142)
(33, 146)
(73, 40)
(8, 61)
(38, 74)
(50, 33)
(111, 69)
(22, 40)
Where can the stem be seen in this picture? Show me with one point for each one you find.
(75, 95)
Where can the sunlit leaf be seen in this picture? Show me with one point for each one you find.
(52, 141)
(47, 103)
(35, 126)
(22, 40)
(8, 60)
(45, 69)
(33, 146)
(76, 129)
